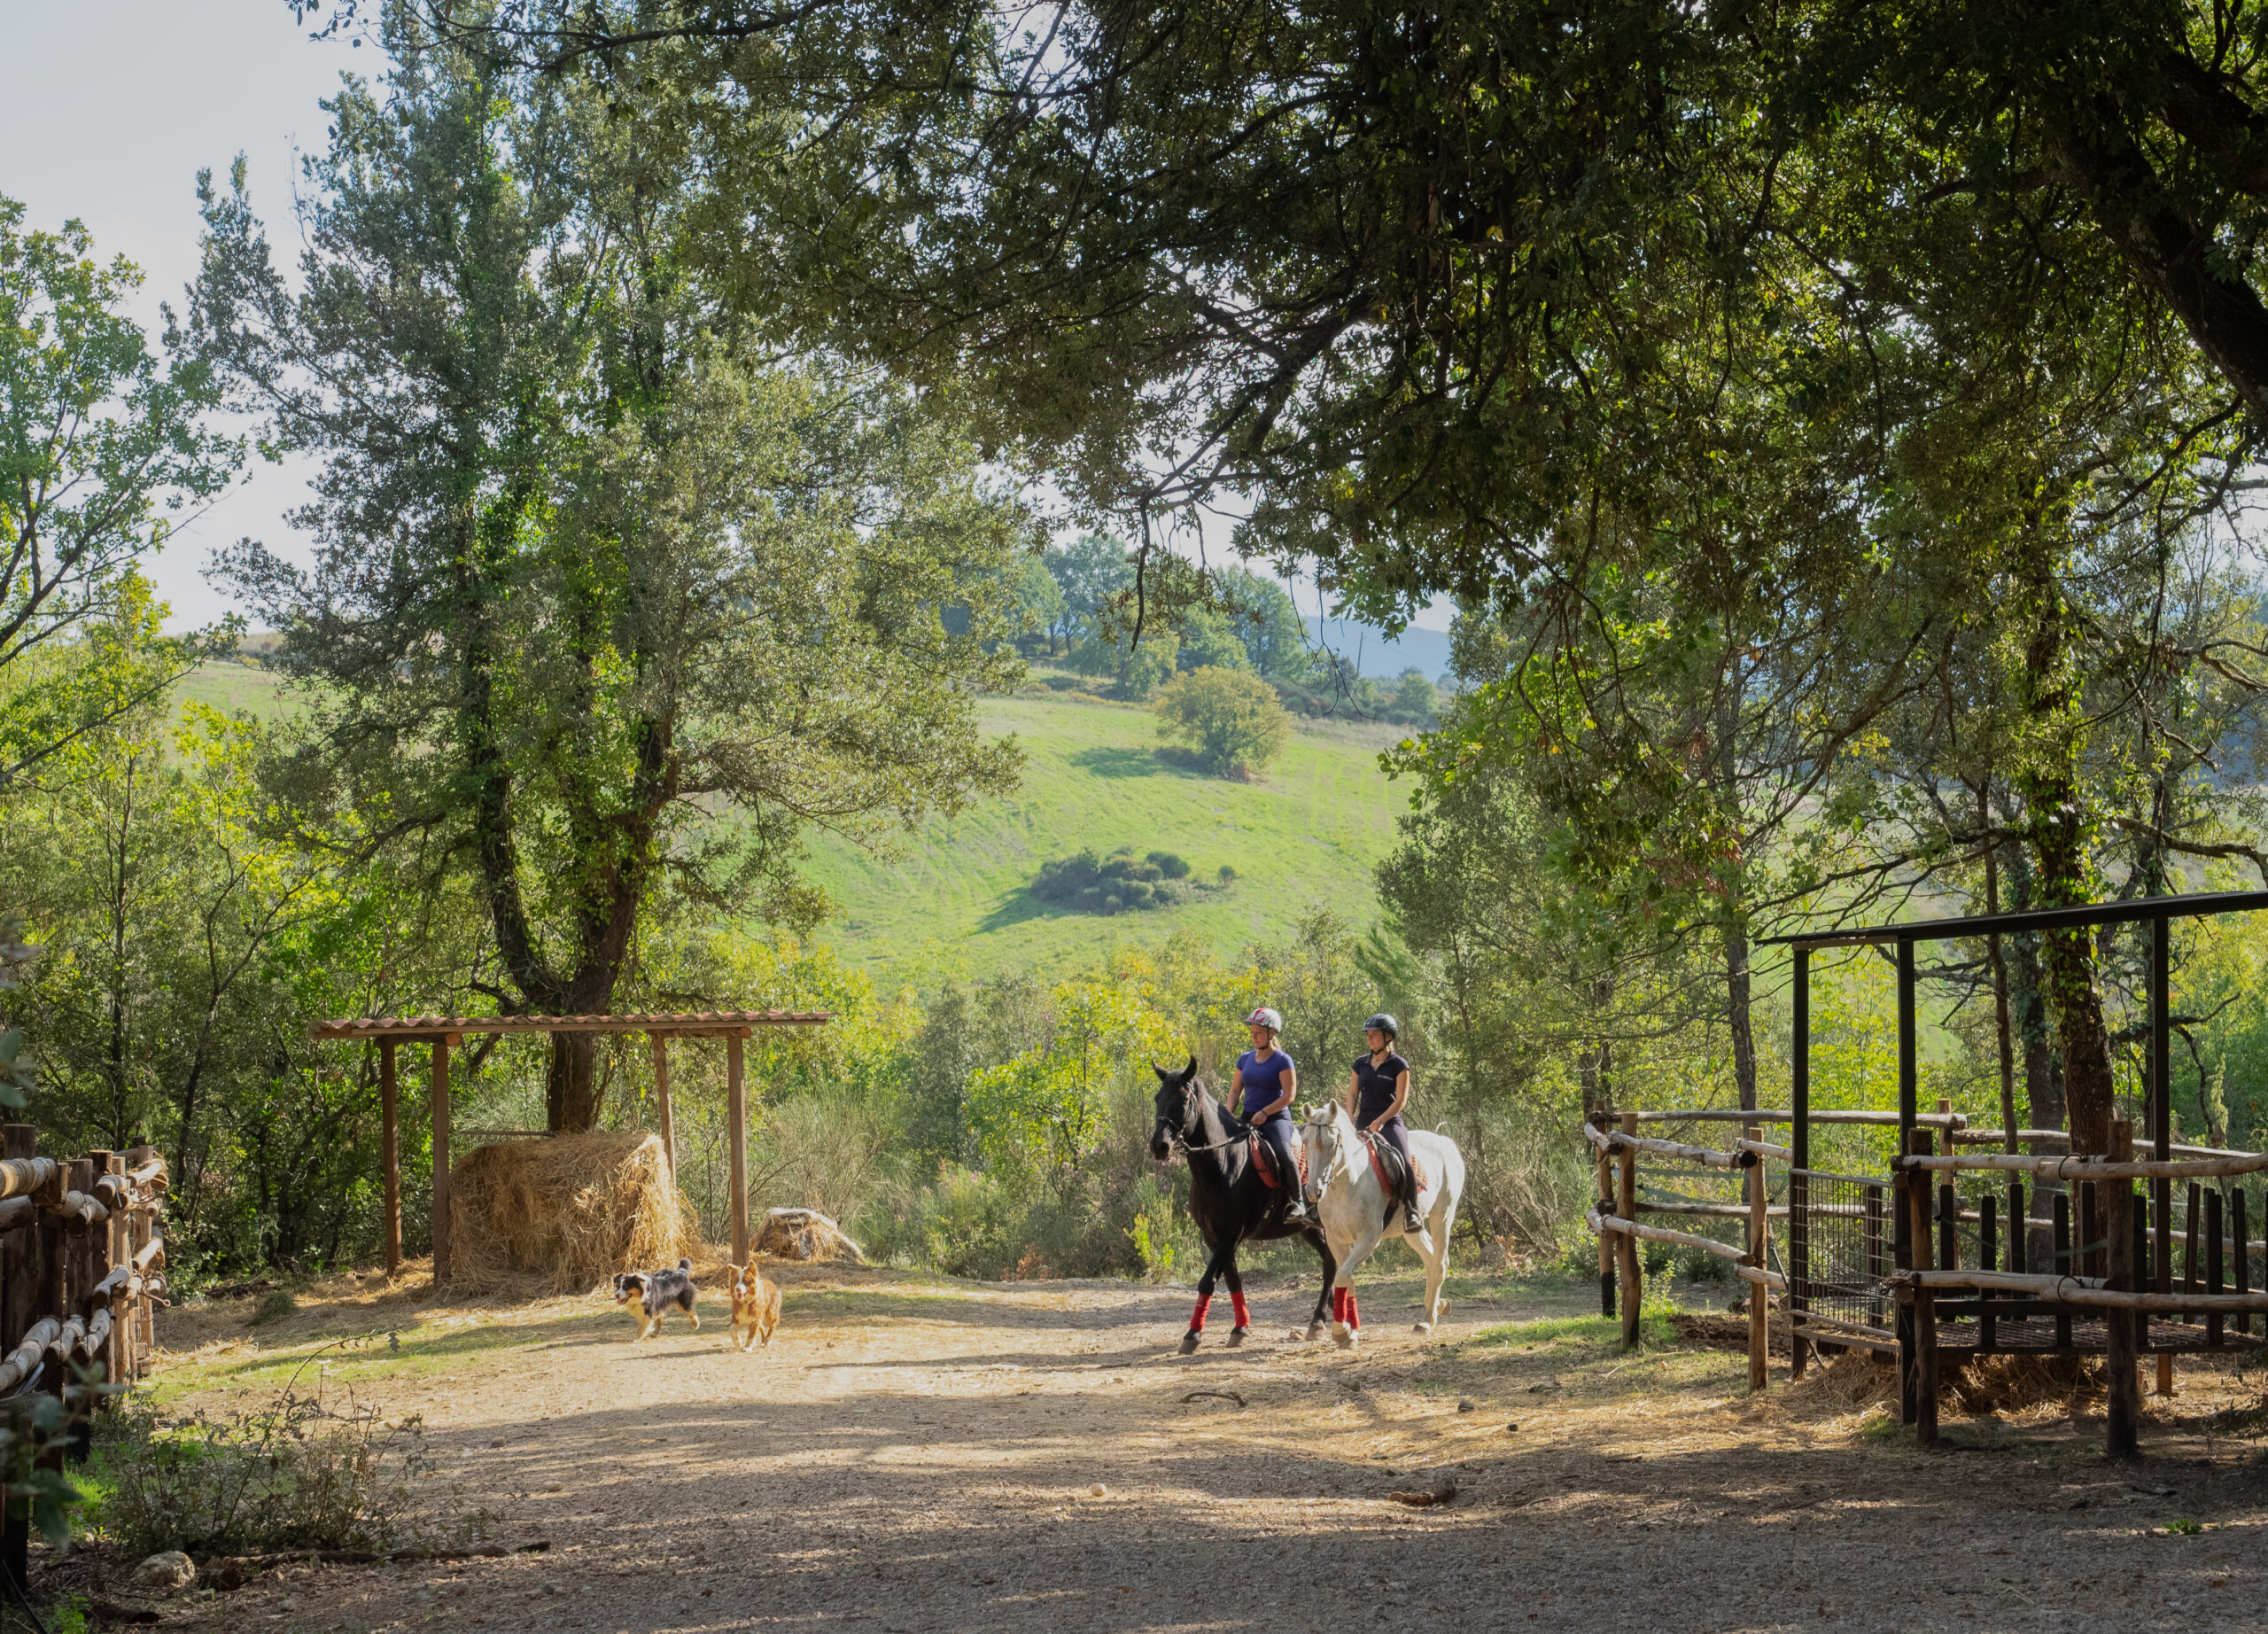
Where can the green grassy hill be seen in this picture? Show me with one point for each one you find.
(957, 903)
(1312, 829)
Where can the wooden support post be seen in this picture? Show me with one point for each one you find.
(2116, 1200)
(2089, 1248)
(2062, 1263)
(116, 1253)
(390, 1153)
(2214, 1271)
(661, 1043)
(1923, 1388)
(2243, 1255)
(1625, 1207)
(736, 1114)
(441, 1198)
(18, 1296)
(2155, 1270)
(1760, 1303)
(79, 1275)
(1605, 1207)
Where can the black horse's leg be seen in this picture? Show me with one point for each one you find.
(1225, 1255)
(1235, 1277)
(1321, 1246)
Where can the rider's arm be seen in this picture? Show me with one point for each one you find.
(1287, 1088)
(1354, 1090)
(1401, 1099)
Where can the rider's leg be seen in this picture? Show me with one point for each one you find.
(1397, 1134)
(1278, 1132)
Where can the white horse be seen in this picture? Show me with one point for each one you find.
(1357, 1215)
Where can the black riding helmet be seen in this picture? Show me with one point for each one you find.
(1382, 1022)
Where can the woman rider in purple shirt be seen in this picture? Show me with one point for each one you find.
(1263, 1087)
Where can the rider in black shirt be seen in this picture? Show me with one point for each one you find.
(1375, 1093)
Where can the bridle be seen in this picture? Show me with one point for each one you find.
(1178, 1140)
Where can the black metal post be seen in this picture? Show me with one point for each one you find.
(1799, 1178)
(2160, 1109)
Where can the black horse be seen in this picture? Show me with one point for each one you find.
(1230, 1202)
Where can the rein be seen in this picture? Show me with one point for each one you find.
(1181, 1135)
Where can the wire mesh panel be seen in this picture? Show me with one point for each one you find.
(1846, 1221)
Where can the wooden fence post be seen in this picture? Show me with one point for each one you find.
(441, 1216)
(18, 1296)
(1626, 1207)
(736, 1113)
(1924, 1384)
(389, 1153)
(1760, 1304)
(1605, 1238)
(2213, 1264)
(116, 1253)
(2114, 1203)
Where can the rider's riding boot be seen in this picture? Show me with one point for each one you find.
(1294, 1209)
(1410, 1218)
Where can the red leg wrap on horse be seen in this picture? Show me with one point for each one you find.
(1236, 1304)
(1354, 1313)
(1339, 1304)
(1196, 1317)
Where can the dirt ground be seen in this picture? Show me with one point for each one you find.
(915, 1455)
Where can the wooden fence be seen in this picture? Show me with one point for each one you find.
(1876, 1261)
(83, 1264)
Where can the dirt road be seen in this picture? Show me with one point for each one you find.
(915, 1457)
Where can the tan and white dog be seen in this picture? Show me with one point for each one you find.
(756, 1305)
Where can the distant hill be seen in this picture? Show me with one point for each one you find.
(1312, 830)
(1372, 653)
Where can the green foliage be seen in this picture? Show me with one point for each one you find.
(1118, 883)
(1233, 719)
(1135, 672)
(99, 446)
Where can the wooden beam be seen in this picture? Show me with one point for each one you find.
(1759, 1319)
(1626, 1209)
(390, 1153)
(736, 1115)
(442, 1221)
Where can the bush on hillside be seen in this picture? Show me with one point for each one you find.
(1119, 883)
(1232, 719)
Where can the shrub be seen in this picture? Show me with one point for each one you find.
(295, 1475)
(1232, 718)
(1118, 883)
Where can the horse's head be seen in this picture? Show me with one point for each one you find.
(1323, 1133)
(1178, 1099)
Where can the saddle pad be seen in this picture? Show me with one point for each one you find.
(1264, 1158)
(1379, 1165)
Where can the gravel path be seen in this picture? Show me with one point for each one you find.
(917, 1457)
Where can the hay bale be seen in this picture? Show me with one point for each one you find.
(572, 1210)
(804, 1235)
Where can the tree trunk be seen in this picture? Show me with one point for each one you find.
(571, 1094)
(1737, 1013)
(2063, 871)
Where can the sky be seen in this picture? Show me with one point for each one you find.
(128, 100)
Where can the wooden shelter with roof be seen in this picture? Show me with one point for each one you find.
(446, 1032)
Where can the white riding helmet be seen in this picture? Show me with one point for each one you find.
(1265, 1017)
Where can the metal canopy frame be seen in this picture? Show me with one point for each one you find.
(2158, 912)
(446, 1032)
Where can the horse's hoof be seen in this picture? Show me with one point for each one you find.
(1315, 1331)
(1188, 1344)
(1237, 1338)
(1425, 1327)
(1344, 1338)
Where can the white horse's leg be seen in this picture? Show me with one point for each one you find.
(1342, 1330)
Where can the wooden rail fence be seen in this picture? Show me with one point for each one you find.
(82, 1266)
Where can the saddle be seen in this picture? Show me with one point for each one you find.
(1264, 1158)
(1386, 1162)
